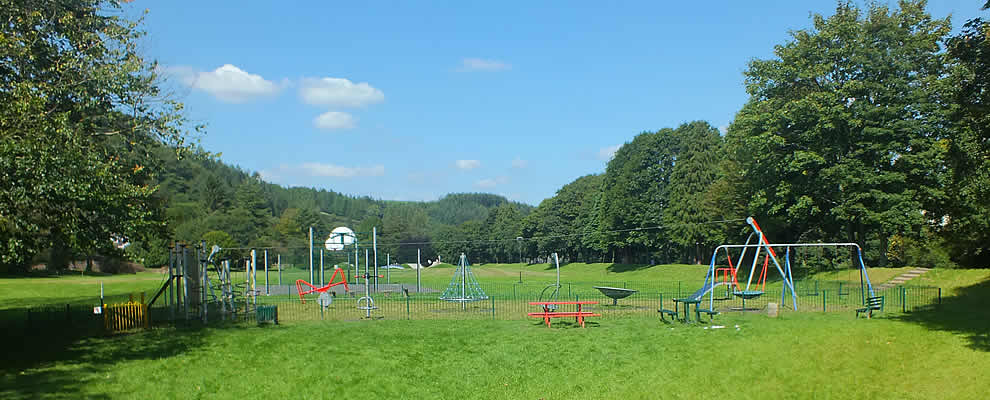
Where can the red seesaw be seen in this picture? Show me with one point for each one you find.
(324, 289)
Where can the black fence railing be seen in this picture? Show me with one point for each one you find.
(503, 301)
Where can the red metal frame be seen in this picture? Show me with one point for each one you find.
(324, 289)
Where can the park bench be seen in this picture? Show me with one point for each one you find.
(872, 303)
(664, 311)
(267, 313)
(699, 311)
(546, 314)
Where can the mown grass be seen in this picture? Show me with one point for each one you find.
(18, 292)
(936, 352)
(799, 355)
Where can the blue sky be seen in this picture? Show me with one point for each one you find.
(411, 101)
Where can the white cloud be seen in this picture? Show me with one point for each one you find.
(227, 83)
(480, 64)
(486, 183)
(332, 120)
(338, 92)
(336, 171)
(519, 163)
(467, 164)
(293, 174)
(491, 183)
(723, 129)
(606, 153)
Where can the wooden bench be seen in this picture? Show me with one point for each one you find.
(872, 303)
(546, 314)
(664, 311)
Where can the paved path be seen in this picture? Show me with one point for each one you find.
(901, 279)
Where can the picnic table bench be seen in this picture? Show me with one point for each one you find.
(547, 312)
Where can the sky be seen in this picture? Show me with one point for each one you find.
(415, 100)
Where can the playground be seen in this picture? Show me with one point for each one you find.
(222, 330)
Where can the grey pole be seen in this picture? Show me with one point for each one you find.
(418, 268)
(374, 244)
(356, 259)
(254, 277)
(185, 283)
(321, 267)
(311, 254)
(280, 269)
(388, 271)
(366, 282)
(267, 291)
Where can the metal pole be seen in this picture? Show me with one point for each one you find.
(311, 254)
(267, 291)
(185, 284)
(356, 259)
(419, 267)
(367, 285)
(254, 277)
(388, 271)
(374, 244)
(280, 269)
(321, 267)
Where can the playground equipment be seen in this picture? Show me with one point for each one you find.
(763, 245)
(615, 293)
(324, 298)
(552, 296)
(463, 286)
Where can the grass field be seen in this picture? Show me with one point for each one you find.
(939, 352)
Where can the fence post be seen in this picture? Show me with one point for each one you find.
(824, 300)
(903, 299)
(493, 307)
(407, 308)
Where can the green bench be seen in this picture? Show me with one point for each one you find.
(664, 311)
(699, 311)
(872, 303)
(267, 314)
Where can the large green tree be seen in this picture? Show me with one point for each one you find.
(78, 104)
(841, 134)
(968, 92)
(691, 209)
(634, 195)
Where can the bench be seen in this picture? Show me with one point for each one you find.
(267, 314)
(664, 311)
(699, 311)
(546, 314)
(872, 303)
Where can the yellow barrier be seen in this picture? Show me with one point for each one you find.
(126, 316)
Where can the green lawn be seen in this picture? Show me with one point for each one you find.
(802, 355)
(19, 292)
(936, 352)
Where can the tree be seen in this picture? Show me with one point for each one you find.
(634, 195)
(75, 100)
(968, 87)
(841, 131)
(696, 169)
(503, 226)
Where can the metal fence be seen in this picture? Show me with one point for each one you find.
(503, 302)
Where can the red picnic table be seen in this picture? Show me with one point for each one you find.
(546, 314)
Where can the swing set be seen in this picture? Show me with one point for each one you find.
(722, 276)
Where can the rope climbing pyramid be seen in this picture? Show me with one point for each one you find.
(463, 286)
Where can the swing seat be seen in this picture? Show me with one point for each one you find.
(748, 294)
